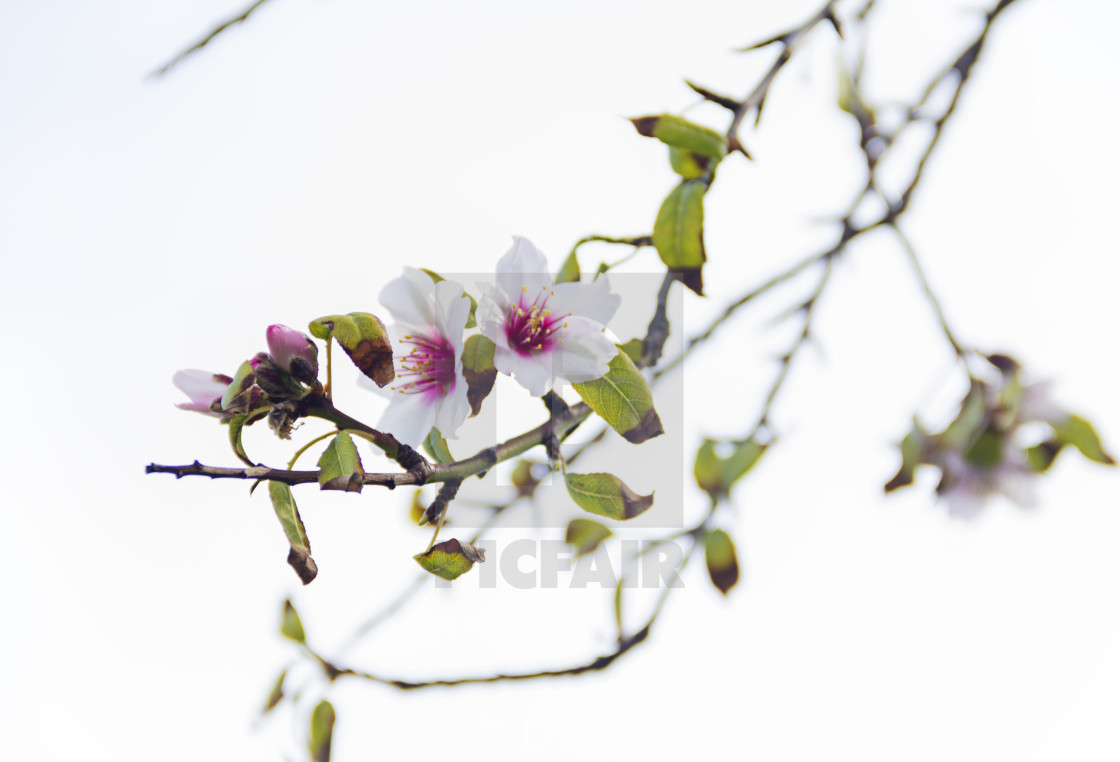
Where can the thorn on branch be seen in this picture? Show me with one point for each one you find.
(721, 100)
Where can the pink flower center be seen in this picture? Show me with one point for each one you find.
(428, 368)
(530, 327)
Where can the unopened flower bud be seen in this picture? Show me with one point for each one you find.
(293, 352)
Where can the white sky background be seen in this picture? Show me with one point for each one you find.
(291, 168)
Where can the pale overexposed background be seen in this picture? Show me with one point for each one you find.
(291, 168)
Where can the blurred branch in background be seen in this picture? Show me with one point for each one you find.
(202, 43)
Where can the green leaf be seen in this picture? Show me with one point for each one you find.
(478, 370)
(450, 559)
(1041, 456)
(986, 451)
(322, 731)
(417, 508)
(239, 395)
(436, 447)
(290, 625)
(965, 428)
(364, 339)
(633, 349)
(911, 447)
(236, 424)
(1081, 434)
(618, 606)
(585, 535)
(299, 554)
(688, 164)
(606, 495)
(723, 566)
(340, 468)
(717, 475)
(437, 278)
(276, 695)
(569, 270)
(678, 232)
(623, 399)
(678, 132)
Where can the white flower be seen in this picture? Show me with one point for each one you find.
(544, 332)
(429, 389)
(203, 387)
(966, 487)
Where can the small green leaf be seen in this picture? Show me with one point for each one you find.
(585, 535)
(678, 132)
(364, 339)
(1081, 434)
(911, 447)
(436, 447)
(965, 428)
(276, 695)
(450, 559)
(290, 625)
(239, 395)
(417, 508)
(569, 270)
(633, 349)
(478, 370)
(340, 468)
(618, 606)
(1041, 456)
(606, 495)
(236, 424)
(437, 278)
(717, 475)
(848, 97)
(723, 566)
(623, 399)
(688, 164)
(678, 232)
(322, 731)
(986, 451)
(299, 554)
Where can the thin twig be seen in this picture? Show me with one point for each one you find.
(209, 38)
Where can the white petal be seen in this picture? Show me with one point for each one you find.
(592, 300)
(199, 385)
(410, 299)
(491, 315)
(453, 409)
(522, 269)
(409, 418)
(1037, 404)
(1019, 487)
(452, 308)
(964, 503)
(585, 353)
(534, 372)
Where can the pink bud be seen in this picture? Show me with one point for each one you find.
(293, 352)
(203, 388)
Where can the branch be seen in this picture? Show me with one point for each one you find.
(624, 645)
(658, 331)
(962, 67)
(440, 472)
(208, 38)
(791, 41)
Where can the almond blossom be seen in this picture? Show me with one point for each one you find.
(545, 332)
(430, 389)
(203, 387)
